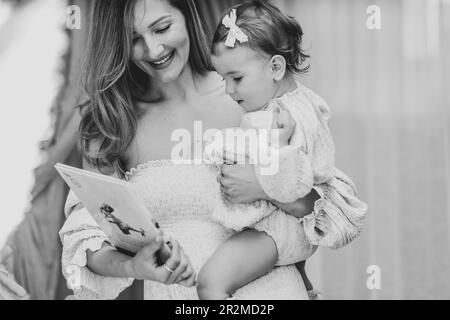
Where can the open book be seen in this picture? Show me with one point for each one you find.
(114, 205)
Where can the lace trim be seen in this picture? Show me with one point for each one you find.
(294, 92)
(161, 163)
(315, 99)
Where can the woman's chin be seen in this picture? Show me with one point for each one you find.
(167, 78)
(169, 75)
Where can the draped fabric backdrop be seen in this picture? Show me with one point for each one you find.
(36, 262)
(389, 93)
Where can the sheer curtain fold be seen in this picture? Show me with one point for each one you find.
(388, 90)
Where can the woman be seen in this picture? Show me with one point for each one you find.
(152, 90)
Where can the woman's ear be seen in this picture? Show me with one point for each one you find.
(278, 64)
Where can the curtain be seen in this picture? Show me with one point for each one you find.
(388, 90)
(35, 262)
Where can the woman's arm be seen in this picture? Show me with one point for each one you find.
(95, 270)
(144, 266)
(109, 262)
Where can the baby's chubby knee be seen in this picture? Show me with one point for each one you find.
(209, 286)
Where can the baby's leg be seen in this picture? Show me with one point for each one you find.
(240, 260)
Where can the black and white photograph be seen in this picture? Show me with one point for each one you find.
(278, 150)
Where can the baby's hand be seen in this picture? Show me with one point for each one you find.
(285, 123)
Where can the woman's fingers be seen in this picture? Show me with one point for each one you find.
(182, 267)
(173, 262)
(153, 247)
(145, 264)
(189, 282)
(187, 273)
(188, 276)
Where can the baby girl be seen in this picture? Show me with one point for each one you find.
(257, 50)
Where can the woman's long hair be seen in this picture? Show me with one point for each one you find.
(113, 83)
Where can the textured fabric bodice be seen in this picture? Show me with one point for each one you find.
(181, 198)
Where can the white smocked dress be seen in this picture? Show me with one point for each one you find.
(183, 198)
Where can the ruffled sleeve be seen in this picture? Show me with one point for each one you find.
(79, 234)
(309, 157)
(338, 216)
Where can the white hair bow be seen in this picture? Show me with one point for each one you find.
(235, 32)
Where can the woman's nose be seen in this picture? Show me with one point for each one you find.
(154, 48)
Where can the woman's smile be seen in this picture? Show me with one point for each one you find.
(164, 61)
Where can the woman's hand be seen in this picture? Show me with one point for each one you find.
(240, 185)
(177, 268)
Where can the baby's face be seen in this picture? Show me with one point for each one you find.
(248, 76)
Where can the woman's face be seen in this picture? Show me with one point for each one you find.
(160, 40)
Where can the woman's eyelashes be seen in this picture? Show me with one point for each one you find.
(158, 31)
(162, 29)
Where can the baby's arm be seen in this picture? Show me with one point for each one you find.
(243, 258)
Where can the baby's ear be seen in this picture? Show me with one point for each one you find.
(278, 67)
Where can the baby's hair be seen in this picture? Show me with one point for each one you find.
(268, 30)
